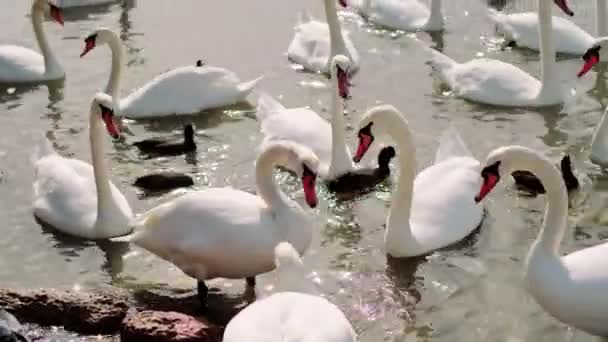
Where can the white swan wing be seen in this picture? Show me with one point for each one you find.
(290, 316)
(20, 64)
(443, 207)
(400, 15)
(186, 90)
(300, 125)
(451, 145)
(523, 29)
(196, 230)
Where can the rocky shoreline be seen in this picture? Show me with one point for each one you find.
(121, 315)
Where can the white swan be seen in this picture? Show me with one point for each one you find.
(406, 15)
(435, 209)
(290, 316)
(572, 288)
(228, 233)
(522, 29)
(315, 42)
(19, 64)
(81, 3)
(184, 90)
(599, 142)
(493, 82)
(79, 199)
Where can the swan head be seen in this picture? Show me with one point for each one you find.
(340, 68)
(100, 36)
(101, 107)
(48, 8)
(375, 122)
(594, 55)
(300, 160)
(563, 5)
(503, 161)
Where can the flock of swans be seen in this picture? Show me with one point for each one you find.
(431, 209)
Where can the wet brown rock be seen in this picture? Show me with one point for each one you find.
(157, 326)
(85, 313)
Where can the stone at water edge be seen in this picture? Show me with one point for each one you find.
(157, 326)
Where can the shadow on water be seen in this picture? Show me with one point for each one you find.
(71, 246)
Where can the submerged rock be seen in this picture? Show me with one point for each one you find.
(153, 326)
(85, 313)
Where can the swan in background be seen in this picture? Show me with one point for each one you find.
(315, 42)
(184, 90)
(571, 288)
(290, 316)
(76, 198)
(522, 29)
(228, 233)
(81, 3)
(19, 64)
(599, 142)
(435, 208)
(406, 15)
(304, 126)
(490, 81)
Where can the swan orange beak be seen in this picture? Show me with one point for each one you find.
(309, 180)
(108, 118)
(89, 45)
(57, 14)
(590, 58)
(489, 182)
(564, 7)
(365, 141)
(343, 83)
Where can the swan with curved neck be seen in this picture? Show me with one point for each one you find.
(433, 209)
(79, 199)
(290, 315)
(408, 15)
(19, 64)
(306, 127)
(571, 288)
(228, 233)
(493, 82)
(191, 89)
(521, 29)
(315, 42)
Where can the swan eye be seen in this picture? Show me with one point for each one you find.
(307, 172)
(491, 170)
(89, 44)
(106, 111)
(367, 130)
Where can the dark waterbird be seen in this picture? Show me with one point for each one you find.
(363, 180)
(168, 147)
(525, 180)
(164, 181)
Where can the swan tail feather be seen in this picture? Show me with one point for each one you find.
(267, 106)
(246, 87)
(451, 145)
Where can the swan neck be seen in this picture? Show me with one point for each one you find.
(555, 220)
(264, 176)
(398, 223)
(600, 18)
(340, 160)
(50, 62)
(547, 50)
(113, 86)
(337, 44)
(436, 16)
(105, 202)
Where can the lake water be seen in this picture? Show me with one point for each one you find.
(472, 293)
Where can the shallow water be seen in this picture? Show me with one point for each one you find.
(469, 293)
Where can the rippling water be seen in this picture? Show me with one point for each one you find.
(470, 293)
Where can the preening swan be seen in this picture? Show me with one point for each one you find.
(184, 90)
(315, 42)
(228, 233)
(19, 64)
(306, 127)
(290, 316)
(433, 209)
(76, 198)
(406, 15)
(493, 82)
(572, 288)
(522, 29)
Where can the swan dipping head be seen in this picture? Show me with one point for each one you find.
(340, 68)
(102, 106)
(48, 8)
